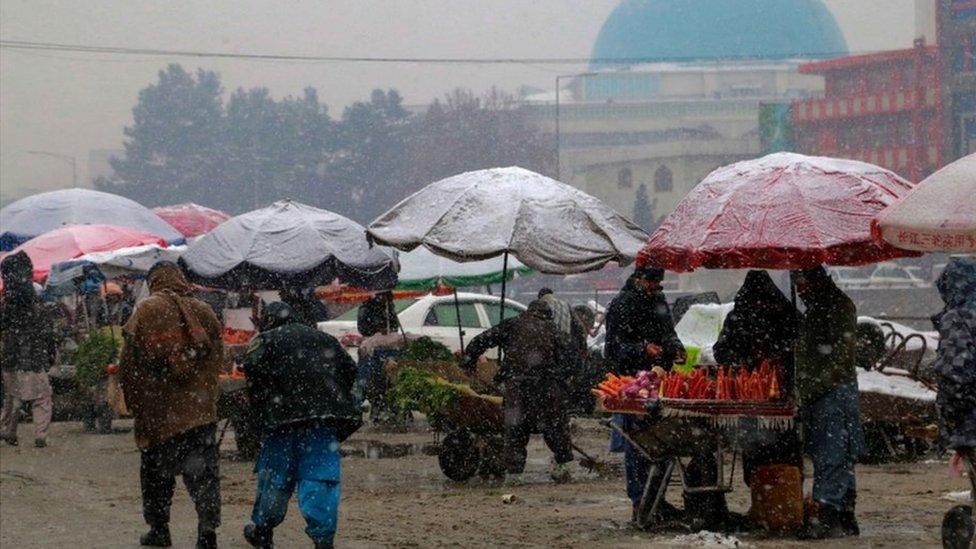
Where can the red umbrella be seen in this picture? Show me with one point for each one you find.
(782, 211)
(74, 241)
(191, 219)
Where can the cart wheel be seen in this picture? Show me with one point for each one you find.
(492, 457)
(957, 527)
(459, 457)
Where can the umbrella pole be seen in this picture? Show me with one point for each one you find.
(792, 289)
(457, 312)
(501, 304)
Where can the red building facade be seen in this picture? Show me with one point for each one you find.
(884, 108)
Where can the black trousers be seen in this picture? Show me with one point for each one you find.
(194, 455)
(532, 404)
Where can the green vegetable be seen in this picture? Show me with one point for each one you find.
(95, 352)
(424, 392)
(425, 348)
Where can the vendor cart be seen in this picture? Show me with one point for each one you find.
(473, 438)
(673, 431)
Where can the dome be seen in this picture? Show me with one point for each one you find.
(676, 30)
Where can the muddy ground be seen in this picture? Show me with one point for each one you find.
(83, 491)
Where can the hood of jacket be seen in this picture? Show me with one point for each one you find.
(540, 309)
(167, 276)
(18, 277)
(957, 284)
(277, 314)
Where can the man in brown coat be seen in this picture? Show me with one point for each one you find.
(168, 373)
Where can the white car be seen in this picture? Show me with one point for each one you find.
(436, 317)
(892, 275)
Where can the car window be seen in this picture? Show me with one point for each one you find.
(445, 314)
(492, 310)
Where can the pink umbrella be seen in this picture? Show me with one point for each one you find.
(782, 211)
(77, 240)
(938, 216)
(191, 219)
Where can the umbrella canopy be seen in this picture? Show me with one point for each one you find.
(782, 211)
(288, 244)
(35, 215)
(191, 219)
(549, 226)
(422, 270)
(72, 242)
(938, 216)
(135, 261)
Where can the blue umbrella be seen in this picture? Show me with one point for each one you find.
(35, 215)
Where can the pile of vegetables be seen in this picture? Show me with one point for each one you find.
(426, 392)
(759, 385)
(425, 348)
(94, 354)
(643, 386)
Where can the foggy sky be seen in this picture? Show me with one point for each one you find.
(70, 103)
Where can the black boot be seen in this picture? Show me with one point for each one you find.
(157, 536)
(262, 538)
(829, 524)
(848, 521)
(324, 545)
(207, 539)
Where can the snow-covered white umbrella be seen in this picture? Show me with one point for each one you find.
(549, 226)
(939, 215)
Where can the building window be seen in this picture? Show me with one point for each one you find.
(663, 180)
(625, 178)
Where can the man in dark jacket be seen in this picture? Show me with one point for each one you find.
(826, 384)
(300, 381)
(535, 389)
(28, 350)
(956, 360)
(377, 316)
(640, 336)
(306, 306)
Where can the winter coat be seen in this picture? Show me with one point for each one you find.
(955, 363)
(297, 374)
(532, 345)
(307, 308)
(634, 319)
(377, 316)
(170, 360)
(763, 325)
(825, 350)
(28, 338)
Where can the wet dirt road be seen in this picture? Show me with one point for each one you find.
(83, 491)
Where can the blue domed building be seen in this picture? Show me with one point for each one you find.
(675, 90)
(699, 30)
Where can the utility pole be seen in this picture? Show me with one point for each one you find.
(64, 158)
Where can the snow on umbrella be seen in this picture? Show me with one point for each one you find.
(422, 270)
(191, 219)
(939, 215)
(35, 215)
(549, 226)
(135, 261)
(72, 242)
(288, 244)
(782, 211)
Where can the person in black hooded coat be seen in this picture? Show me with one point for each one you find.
(762, 326)
(300, 382)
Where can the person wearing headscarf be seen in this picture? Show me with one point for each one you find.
(300, 383)
(534, 370)
(377, 316)
(955, 363)
(826, 384)
(168, 370)
(762, 327)
(28, 350)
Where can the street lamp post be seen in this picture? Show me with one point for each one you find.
(64, 158)
(559, 159)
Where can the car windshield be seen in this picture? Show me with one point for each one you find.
(399, 306)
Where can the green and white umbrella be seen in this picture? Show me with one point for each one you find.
(420, 269)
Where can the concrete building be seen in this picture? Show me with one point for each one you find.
(663, 105)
